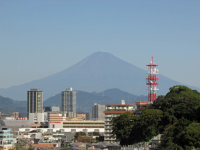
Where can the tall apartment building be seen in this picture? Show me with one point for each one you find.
(35, 105)
(114, 110)
(98, 112)
(68, 104)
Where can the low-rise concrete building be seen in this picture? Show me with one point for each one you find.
(141, 105)
(79, 126)
(36, 117)
(6, 138)
(15, 124)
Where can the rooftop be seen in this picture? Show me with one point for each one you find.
(119, 104)
(43, 145)
(117, 112)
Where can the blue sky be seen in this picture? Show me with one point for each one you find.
(39, 38)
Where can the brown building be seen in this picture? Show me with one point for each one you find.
(56, 117)
(141, 105)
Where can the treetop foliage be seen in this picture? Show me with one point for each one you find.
(176, 116)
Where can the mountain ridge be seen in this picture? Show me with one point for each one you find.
(85, 100)
(96, 72)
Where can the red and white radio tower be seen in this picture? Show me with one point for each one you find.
(152, 81)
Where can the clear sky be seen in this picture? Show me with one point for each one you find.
(42, 37)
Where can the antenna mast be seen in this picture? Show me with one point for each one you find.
(152, 81)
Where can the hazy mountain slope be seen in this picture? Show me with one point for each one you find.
(85, 100)
(8, 105)
(118, 95)
(96, 72)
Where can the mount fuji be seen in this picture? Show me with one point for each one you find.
(97, 72)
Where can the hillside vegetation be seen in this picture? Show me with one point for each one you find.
(8, 105)
(176, 116)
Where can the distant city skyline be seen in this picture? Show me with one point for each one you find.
(40, 38)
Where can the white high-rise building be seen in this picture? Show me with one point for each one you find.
(68, 105)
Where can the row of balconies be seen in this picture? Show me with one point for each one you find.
(119, 108)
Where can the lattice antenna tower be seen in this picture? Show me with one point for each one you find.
(152, 81)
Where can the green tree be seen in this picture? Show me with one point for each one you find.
(181, 106)
(147, 125)
(176, 116)
(122, 127)
(189, 138)
(171, 134)
(130, 129)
